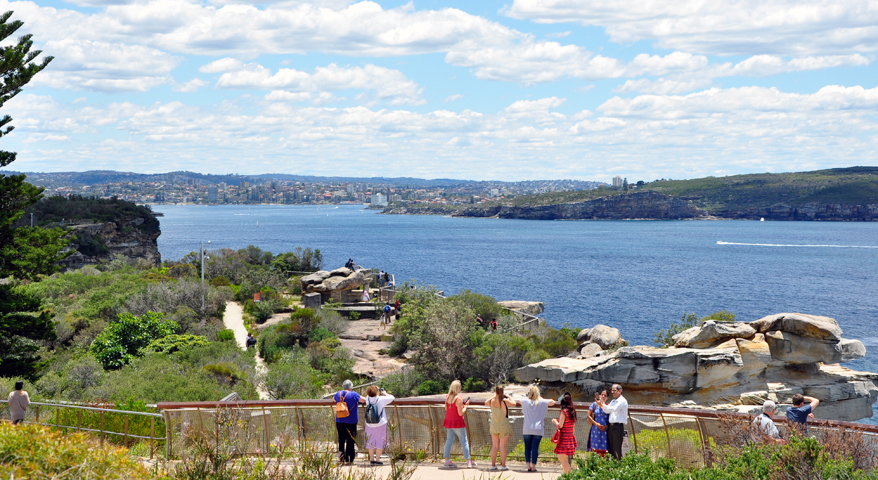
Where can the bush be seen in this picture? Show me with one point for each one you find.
(226, 335)
(320, 334)
(291, 376)
(31, 451)
(472, 384)
(478, 303)
(433, 387)
(122, 340)
(664, 338)
(403, 383)
(174, 342)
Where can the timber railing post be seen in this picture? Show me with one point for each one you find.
(667, 434)
(126, 429)
(37, 415)
(632, 437)
(102, 429)
(151, 436)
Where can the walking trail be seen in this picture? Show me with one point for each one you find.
(233, 319)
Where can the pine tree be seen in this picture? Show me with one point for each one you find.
(24, 251)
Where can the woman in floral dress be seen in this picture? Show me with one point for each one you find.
(597, 440)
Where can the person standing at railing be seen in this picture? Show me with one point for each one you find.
(534, 408)
(376, 422)
(18, 402)
(346, 419)
(566, 422)
(618, 410)
(798, 414)
(597, 437)
(500, 428)
(455, 425)
(763, 425)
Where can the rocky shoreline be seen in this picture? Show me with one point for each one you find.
(722, 365)
(650, 205)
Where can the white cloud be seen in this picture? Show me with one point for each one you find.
(105, 67)
(745, 27)
(190, 86)
(452, 98)
(542, 104)
(384, 84)
(222, 65)
(735, 130)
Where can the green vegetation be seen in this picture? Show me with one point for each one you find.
(53, 211)
(665, 338)
(123, 339)
(29, 451)
(850, 186)
(801, 458)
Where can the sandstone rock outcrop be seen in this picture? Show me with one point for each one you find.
(332, 283)
(123, 238)
(602, 335)
(530, 308)
(725, 365)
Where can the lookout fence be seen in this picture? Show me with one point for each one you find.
(684, 435)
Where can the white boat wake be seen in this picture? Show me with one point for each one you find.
(720, 242)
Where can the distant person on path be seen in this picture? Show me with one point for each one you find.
(376, 422)
(366, 294)
(618, 410)
(381, 279)
(566, 423)
(798, 414)
(763, 424)
(346, 421)
(534, 409)
(494, 324)
(597, 437)
(18, 402)
(387, 279)
(500, 427)
(455, 425)
(397, 306)
(387, 313)
(480, 320)
(251, 341)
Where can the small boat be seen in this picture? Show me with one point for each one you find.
(762, 219)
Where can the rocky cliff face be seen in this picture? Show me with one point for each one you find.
(101, 242)
(808, 211)
(729, 366)
(637, 205)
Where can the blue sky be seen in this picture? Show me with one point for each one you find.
(514, 90)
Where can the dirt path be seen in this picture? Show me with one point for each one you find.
(233, 319)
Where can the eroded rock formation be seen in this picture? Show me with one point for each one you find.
(335, 282)
(108, 240)
(734, 366)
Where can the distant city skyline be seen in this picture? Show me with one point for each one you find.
(495, 90)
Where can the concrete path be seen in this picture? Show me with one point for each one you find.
(436, 471)
(233, 319)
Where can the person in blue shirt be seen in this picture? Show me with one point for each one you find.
(347, 426)
(798, 414)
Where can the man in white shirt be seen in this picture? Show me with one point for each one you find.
(763, 425)
(618, 410)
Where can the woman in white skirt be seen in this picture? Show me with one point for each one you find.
(376, 432)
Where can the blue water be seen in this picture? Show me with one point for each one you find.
(638, 276)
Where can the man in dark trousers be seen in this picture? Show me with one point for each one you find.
(618, 410)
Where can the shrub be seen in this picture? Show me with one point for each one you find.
(472, 384)
(220, 281)
(320, 334)
(174, 342)
(433, 387)
(403, 383)
(478, 303)
(664, 338)
(122, 340)
(291, 376)
(226, 335)
(31, 451)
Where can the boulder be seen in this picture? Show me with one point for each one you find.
(530, 308)
(813, 326)
(311, 300)
(602, 335)
(350, 282)
(589, 349)
(796, 350)
(755, 353)
(315, 278)
(341, 272)
(711, 333)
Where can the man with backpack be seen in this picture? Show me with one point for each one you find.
(387, 313)
(346, 419)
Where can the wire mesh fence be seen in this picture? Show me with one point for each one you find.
(120, 427)
(416, 425)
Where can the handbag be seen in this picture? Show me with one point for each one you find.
(556, 437)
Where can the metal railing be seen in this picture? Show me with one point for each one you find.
(117, 426)
(681, 434)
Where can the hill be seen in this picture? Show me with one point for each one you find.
(722, 195)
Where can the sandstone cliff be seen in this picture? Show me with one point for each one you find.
(100, 242)
(732, 366)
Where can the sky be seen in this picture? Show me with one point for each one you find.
(480, 90)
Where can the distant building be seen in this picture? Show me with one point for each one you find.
(617, 182)
(212, 194)
(379, 199)
(395, 198)
(495, 192)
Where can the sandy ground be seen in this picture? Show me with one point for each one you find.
(233, 319)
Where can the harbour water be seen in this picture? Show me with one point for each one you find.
(638, 276)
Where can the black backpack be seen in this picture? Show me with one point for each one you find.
(372, 415)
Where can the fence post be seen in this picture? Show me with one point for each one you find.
(151, 436)
(57, 418)
(398, 426)
(434, 430)
(168, 434)
(126, 430)
(301, 418)
(632, 434)
(705, 447)
(667, 434)
(266, 433)
(37, 414)
(102, 428)
(79, 419)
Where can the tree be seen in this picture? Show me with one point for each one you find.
(123, 339)
(24, 252)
